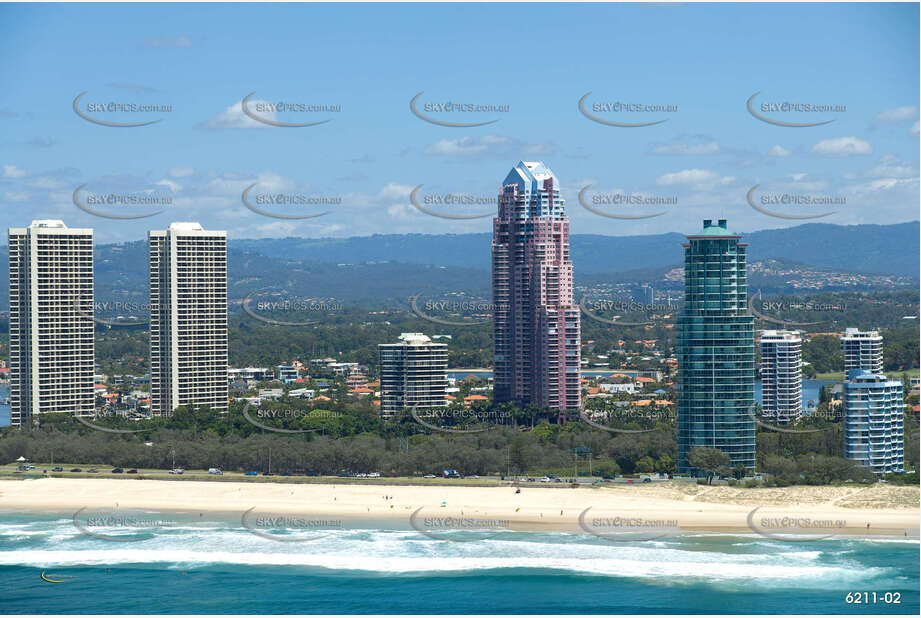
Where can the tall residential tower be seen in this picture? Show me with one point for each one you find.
(782, 375)
(536, 326)
(51, 320)
(863, 349)
(716, 350)
(188, 318)
(413, 374)
(874, 432)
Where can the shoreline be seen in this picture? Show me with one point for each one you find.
(891, 512)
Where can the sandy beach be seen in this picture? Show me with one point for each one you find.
(889, 510)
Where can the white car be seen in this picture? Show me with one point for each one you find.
(176, 471)
(215, 471)
(429, 476)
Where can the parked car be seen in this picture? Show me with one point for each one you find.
(57, 469)
(177, 471)
(374, 475)
(93, 471)
(429, 476)
(251, 473)
(647, 480)
(76, 470)
(132, 471)
(117, 470)
(215, 471)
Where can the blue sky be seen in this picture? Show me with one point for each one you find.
(538, 60)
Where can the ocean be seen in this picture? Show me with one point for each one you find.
(219, 567)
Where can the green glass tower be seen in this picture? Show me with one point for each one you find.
(716, 350)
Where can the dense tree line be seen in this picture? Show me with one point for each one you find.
(203, 439)
(345, 439)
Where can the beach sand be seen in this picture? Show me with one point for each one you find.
(889, 510)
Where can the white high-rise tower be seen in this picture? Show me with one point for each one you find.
(51, 320)
(188, 318)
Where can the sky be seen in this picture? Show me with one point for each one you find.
(695, 65)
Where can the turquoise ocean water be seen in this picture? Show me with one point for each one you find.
(220, 567)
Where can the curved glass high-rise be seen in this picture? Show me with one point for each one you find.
(716, 350)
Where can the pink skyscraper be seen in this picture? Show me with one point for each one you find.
(536, 332)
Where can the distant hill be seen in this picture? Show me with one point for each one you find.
(877, 249)
(391, 266)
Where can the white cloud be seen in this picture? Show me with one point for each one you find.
(842, 147)
(165, 41)
(896, 115)
(15, 196)
(914, 129)
(169, 184)
(11, 171)
(486, 145)
(395, 191)
(181, 172)
(685, 148)
(890, 166)
(234, 184)
(884, 184)
(696, 178)
(46, 182)
(234, 118)
(465, 146)
(779, 151)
